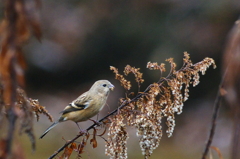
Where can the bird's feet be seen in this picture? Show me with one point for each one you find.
(82, 132)
(96, 122)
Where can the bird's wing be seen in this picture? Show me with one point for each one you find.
(82, 102)
(69, 109)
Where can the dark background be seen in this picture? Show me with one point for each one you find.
(81, 39)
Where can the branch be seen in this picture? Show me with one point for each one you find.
(216, 108)
(95, 124)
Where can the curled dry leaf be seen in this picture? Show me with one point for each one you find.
(68, 151)
(93, 141)
(38, 109)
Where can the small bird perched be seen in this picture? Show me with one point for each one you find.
(86, 105)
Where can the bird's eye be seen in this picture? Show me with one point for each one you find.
(104, 85)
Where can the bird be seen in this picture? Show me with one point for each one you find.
(86, 105)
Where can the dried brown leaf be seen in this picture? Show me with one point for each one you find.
(105, 130)
(82, 145)
(67, 153)
(38, 109)
(3, 145)
(93, 141)
(223, 91)
(73, 146)
(218, 151)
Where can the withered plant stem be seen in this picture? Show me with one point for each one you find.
(216, 108)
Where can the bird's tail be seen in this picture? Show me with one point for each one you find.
(48, 129)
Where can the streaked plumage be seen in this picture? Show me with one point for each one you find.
(86, 105)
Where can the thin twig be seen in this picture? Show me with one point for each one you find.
(216, 108)
(213, 126)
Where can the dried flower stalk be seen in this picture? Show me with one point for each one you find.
(146, 110)
(162, 99)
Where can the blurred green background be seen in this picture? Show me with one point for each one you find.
(82, 38)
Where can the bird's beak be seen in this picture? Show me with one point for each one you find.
(111, 87)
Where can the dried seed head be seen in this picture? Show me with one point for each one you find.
(116, 147)
(162, 99)
(126, 84)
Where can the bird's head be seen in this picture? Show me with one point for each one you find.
(102, 86)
